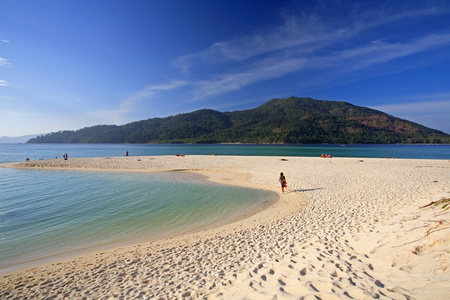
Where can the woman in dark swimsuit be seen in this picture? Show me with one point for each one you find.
(282, 181)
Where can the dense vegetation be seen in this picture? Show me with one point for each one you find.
(291, 120)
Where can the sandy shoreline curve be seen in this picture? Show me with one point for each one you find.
(347, 228)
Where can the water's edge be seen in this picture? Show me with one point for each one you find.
(179, 232)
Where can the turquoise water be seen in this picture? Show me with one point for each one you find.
(45, 213)
(19, 152)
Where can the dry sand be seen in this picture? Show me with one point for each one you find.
(347, 228)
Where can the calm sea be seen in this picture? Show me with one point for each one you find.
(44, 214)
(19, 152)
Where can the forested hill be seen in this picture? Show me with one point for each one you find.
(290, 120)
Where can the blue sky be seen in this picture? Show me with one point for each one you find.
(65, 65)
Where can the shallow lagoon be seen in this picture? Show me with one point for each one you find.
(50, 212)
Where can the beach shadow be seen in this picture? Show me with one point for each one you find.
(303, 190)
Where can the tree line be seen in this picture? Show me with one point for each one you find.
(289, 120)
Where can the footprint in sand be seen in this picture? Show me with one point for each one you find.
(280, 281)
(379, 284)
(314, 288)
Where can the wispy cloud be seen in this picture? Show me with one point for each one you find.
(342, 62)
(264, 70)
(4, 83)
(130, 103)
(300, 44)
(417, 108)
(4, 62)
(5, 41)
(239, 50)
(379, 52)
(433, 114)
(436, 97)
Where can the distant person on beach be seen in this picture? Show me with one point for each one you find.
(65, 156)
(126, 154)
(282, 181)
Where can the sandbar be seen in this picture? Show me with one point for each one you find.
(345, 228)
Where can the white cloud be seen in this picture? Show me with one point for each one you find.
(46, 121)
(291, 34)
(169, 86)
(437, 97)
(4, 83)
(129, 104)
(4, 62)
(124, 111)
(5, 41)
(379, 52)
(433, 114)
(416, 108)
(300, 45)
(342, 63)
(234, 81)
(308, 32)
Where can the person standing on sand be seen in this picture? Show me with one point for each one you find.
(282, 181)
(126, 154)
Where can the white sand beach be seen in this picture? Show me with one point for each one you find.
(347, 228)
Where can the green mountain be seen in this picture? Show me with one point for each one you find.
(290, 120)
